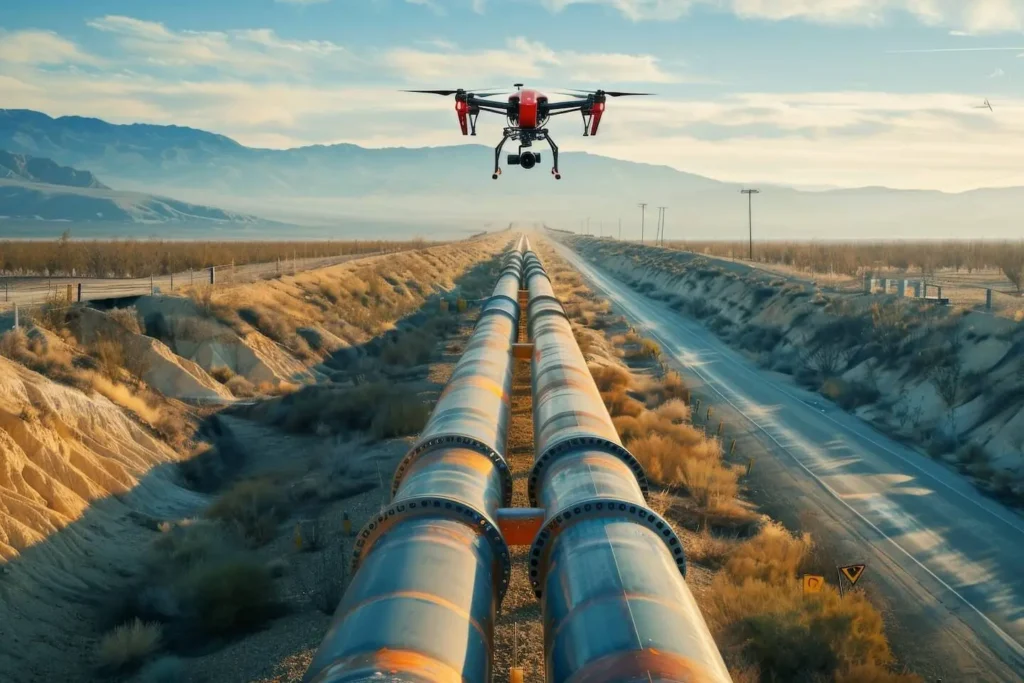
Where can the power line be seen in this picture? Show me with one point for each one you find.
(643, 216)
(750, 217)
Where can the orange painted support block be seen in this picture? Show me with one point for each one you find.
(522, 351)
(519, 526)
(524, 299)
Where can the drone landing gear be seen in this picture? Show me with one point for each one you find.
(554, 153)
(497, 156)
(519, 134)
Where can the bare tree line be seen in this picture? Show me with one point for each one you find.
(137, 258)
(853, 258)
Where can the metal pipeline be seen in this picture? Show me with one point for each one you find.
(609, 571)
(430, 571)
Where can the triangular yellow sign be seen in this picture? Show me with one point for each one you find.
(853, 573)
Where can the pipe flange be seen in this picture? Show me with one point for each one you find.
(608, 508)
(574, 443)
(457, 441)
(436, 506)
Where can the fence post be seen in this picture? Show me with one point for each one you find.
(68, 292)
(15, 315)
(191, 277)
(172, 282)
(79, 292)
(988, 299)
(152, 287)
(213, 278)
(938, 288)
(867, 283)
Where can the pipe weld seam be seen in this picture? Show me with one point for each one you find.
(436, 507)
(599, 508)
(574, 443)
(459, 441)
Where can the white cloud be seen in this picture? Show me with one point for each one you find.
(965, 16)
(248, 51)
(997, 73)
(479, 6)
(523, 58)
(429, 4)
(40, 47)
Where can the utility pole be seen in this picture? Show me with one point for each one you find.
(643, 216)
(661, 221)
(750, 216)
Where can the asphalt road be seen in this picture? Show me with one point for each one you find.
(956, 557)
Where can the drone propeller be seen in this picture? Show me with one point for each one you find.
(609, 93)
(446, 93)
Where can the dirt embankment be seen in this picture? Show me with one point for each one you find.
(949, 382)
(99, 461)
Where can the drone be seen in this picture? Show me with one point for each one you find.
(527, 113)
(984, 106)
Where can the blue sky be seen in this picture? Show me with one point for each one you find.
(807, 92)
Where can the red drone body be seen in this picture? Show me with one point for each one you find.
(527, 113)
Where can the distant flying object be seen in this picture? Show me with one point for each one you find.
(984, 106)
(526, 113)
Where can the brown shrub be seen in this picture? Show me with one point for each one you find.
(709, 549)
(619, 403)
(774, 555)
(128, 318)
(233, 596)
(608, 377)
(254, 507)
(400, 416)
(128, 645)
(222, 374)
(674, 410)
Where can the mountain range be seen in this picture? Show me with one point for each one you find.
(451, 187)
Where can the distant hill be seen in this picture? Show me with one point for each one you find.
(39, 189)
(452, 186)
(36, 170)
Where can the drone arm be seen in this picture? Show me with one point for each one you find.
(596, 112)
(479, 102)
(462, 110)
(568, 104)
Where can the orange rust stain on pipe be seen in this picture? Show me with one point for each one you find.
(408, 661)
(463, 456)
(519, 526)
(633, 664)
(431, 598)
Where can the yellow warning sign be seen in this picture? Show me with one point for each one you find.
(853, 572)
(813, 583)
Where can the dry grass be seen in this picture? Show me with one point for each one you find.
(761, 618)
(128, 645)
(128, 318)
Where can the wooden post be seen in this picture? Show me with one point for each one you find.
(15, 315)
(79, 292)
(213, 277)
(988, 299)
(152, 286)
